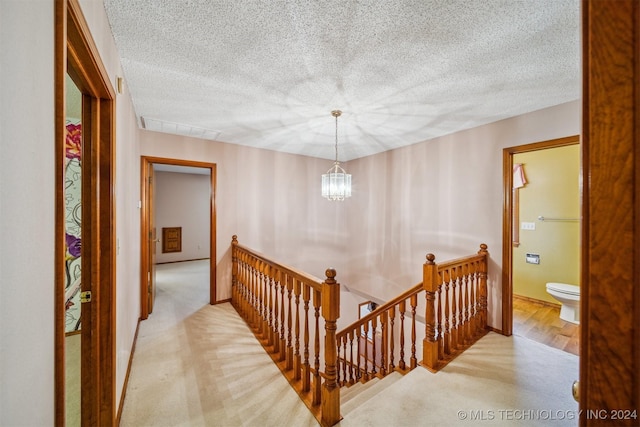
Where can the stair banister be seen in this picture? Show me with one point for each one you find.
(331, 313)
(430, 285)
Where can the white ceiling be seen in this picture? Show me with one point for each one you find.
(268, 73)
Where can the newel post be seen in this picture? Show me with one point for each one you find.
(482, 298)
(430, 285)
(330, 312)
(234, 270)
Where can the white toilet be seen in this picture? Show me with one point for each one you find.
(569, 297)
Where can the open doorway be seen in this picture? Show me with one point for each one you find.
(541, 238)
(166, 241)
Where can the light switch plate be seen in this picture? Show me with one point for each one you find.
(528, 226)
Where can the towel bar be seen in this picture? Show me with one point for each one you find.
(541, 218)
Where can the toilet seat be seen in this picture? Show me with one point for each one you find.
(564, 288)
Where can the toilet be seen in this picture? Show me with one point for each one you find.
(569, 297)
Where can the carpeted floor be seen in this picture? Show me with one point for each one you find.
(199, 365)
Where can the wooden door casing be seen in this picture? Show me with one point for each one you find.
(146, 226)
(610, 274)
(77, 55)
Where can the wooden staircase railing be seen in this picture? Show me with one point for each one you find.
(283, 308)
(384, 341)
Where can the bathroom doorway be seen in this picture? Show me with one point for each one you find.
(541, 238)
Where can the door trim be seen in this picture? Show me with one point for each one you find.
(145, 161)
(507, 220)
(76, 54)
(610, 270)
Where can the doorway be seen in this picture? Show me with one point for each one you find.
(85, 227)
(150, 236)
(512, 226)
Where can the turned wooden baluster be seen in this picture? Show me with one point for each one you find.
(282, 278)
(483, 286)
(365, 340)
(383, 343)
(463, 311)
(265, 326)
(357, 336)
(455, 318)
(429, 283)
(392, 318)
(469, 284)
(413, 361)
(446, 333)
(242, 283)
(234, 270)
(343, 374)
(374, 327)
(289, 352)
(275, 331)
(352, 375)
(251, 278)
(253, 294)
(402, 309)
(306, 375)
(317, 301)
(257, 295)
(474, 299)
(438, 318)
(331, 313)
(270, 304)
(297, 363)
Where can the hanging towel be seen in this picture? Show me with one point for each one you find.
(519, 180)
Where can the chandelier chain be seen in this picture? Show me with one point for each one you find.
(336, 115)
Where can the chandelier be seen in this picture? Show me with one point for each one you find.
(336, 183)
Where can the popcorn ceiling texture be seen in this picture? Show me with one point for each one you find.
(268, 73)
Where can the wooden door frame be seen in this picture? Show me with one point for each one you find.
(507, 220)
(145, 161)
(610, 270)
(76, 53)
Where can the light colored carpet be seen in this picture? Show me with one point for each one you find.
(507, 381)
(200, 365)
(72, 353)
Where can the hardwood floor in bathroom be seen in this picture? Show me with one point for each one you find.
(540, 321)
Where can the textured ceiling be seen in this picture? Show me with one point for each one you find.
(268, 73)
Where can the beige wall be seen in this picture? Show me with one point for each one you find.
(27, 198)
(182, 200)
(27, 208)
(270, 200)
(552, 191)
(442, 196)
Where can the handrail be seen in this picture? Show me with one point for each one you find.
(283, 306)
(315, 282)
(387, 305)
(406, 294)
(454, 317)
(460, 261)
